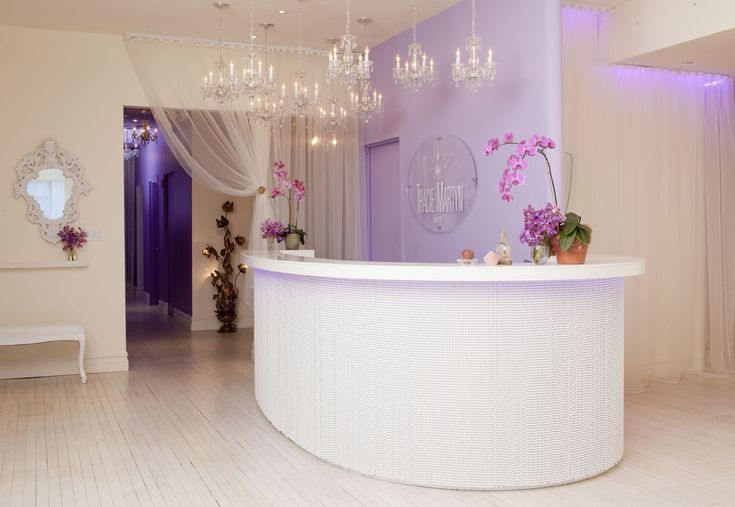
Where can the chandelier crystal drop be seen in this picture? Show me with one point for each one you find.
(253, 76)
(415, 72)
(302, 101)
(221, 85)
(344, 64)
(366, 103)
(474, 73)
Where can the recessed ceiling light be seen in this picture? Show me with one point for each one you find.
(253, 36)
(135, 121)
(282, 11)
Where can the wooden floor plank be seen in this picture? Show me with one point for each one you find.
(183, 428)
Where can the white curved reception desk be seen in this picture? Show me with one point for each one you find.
(463, 377)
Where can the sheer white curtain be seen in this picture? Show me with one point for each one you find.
(641, 167)
(719, 155)
(331, 213)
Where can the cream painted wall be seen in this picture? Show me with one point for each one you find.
(643, 26)
(70, 87)
(206, 206)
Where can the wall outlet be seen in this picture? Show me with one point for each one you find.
(94, 235)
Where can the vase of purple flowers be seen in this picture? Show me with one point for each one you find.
(539, 227)
(72, 239)
(273, 231)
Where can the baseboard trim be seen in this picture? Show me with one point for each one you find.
(183, 318)
(214, 324)
(65, 366)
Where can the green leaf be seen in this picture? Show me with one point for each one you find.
(565, 242)
(584, 235)
(570, 223)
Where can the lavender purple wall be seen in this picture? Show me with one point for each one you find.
(526, 98)
(154, 163)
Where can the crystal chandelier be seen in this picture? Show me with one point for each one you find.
(333, 120)
(130, 147)
(301, 102)
(252, 73)
(473, 73)
(266, 107)
(145, 135)
(416, 71)
(366, 103)
(348, 67)
(222, 85)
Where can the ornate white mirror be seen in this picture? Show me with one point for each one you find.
(51, 182)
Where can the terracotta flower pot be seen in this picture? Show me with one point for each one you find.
(576, 254)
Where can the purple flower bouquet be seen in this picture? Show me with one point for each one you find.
(71, 239)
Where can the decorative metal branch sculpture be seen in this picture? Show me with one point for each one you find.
(227, 291)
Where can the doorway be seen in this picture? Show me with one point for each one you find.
(384, 198)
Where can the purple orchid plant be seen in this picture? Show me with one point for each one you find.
(513, 175)
(294, 192)
(540, 226)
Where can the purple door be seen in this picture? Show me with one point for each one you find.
(383, 166)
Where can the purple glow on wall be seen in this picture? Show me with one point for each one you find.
(156, 164)
(526, 98)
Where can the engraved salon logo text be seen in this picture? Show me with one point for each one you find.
(440, 198)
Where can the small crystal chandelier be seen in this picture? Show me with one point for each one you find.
(130, 147)
(145, 135)
(301, 103)
(416, 71)
(473, 73)
(222, 85)
(333, 120)
(266, 107)
(348, 67)
(366, 103)
(252, 73)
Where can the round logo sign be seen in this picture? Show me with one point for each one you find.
(442, 183)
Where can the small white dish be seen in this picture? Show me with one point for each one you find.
(467, 262)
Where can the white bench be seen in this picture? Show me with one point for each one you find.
(41, 333)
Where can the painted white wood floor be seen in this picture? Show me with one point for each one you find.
(182, 428)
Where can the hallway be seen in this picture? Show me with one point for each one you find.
(182, 428)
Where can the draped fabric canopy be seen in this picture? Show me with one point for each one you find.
(653, 154)
(221, 149)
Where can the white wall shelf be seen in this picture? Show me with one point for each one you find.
(43, 265)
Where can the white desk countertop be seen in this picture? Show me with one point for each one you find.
(597, 267)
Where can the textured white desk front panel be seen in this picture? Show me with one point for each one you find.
(467, 385)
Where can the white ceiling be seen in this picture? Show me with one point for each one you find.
(714, 53)
(198, 18)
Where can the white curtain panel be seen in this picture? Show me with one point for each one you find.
(222, 150)
(330, 213)
(719, 153)
(642, 172)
